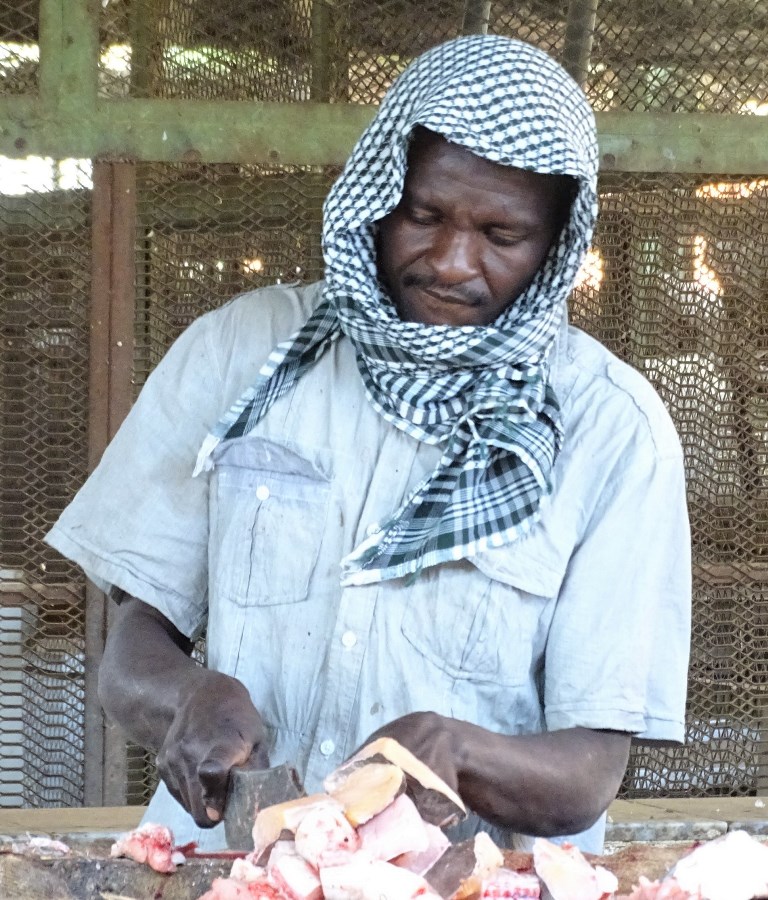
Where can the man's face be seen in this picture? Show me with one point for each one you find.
(467, 236)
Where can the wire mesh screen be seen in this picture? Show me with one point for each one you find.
(19, 53)
(646, 54)
(45, 247)
(207, 233)
(675, 285)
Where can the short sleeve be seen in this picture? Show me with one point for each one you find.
(617, 654)
(140, 521)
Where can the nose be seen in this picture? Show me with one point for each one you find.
(453, 256)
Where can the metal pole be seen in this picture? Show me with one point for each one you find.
(579, 32)
(476, 16)
(98, 436)
(120, 398)
(320, 86)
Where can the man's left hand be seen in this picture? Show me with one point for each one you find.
(434, 739)
(552, 783)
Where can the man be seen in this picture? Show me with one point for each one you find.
(437, 513)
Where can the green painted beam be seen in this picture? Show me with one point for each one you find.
(69, 55)
(683, 142)
(318, 133)
(196, 130)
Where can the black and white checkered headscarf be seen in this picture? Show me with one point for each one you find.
(480, 392)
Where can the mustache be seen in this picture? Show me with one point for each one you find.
(430, 282)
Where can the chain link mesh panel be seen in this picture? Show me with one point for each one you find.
(18, 47)
(207, 233)
(45, 247)
(646, 54)
(676, 285)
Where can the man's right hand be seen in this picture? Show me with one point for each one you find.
(201, 722)
(216, 727)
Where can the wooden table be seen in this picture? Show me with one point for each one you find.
(638, 836)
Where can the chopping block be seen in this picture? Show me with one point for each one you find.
(92, 875)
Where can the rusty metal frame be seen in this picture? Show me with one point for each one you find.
(112, 313)
(68, 119)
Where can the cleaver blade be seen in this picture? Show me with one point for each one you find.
(251, 788)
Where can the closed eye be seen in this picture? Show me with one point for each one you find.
(423, 215)
(502, 238)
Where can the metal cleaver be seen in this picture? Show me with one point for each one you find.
(252, 788)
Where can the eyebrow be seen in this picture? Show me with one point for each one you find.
(510, 220)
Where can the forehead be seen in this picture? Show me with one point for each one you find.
(440, 169)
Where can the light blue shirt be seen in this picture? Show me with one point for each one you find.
(584, 622)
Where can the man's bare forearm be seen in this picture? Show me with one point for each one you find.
(145, 667)
(554, 783)
(200, 722)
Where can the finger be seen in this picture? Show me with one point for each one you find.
(213, 775)
(260, 756)
(177, 786)
(200, 807)
(184, 786)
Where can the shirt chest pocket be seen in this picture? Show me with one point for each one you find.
(481, 622)
(267, 529)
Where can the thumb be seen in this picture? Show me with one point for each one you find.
(213, 775)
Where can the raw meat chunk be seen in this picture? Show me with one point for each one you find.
(398, 829)
(567, 875)
(367, 880)
(150, 844)
(295, 877)
(437, 802)
(324, 837)
(365, 789)
(422, 861)
(245, 870)
(464, 866)
(281, 848)
(272, 821)
(731, 867)
(504, 883)
(40, 846)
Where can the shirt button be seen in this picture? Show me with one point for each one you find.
(327, 747)
(262, 492)
(349, 639)
(372, 529)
